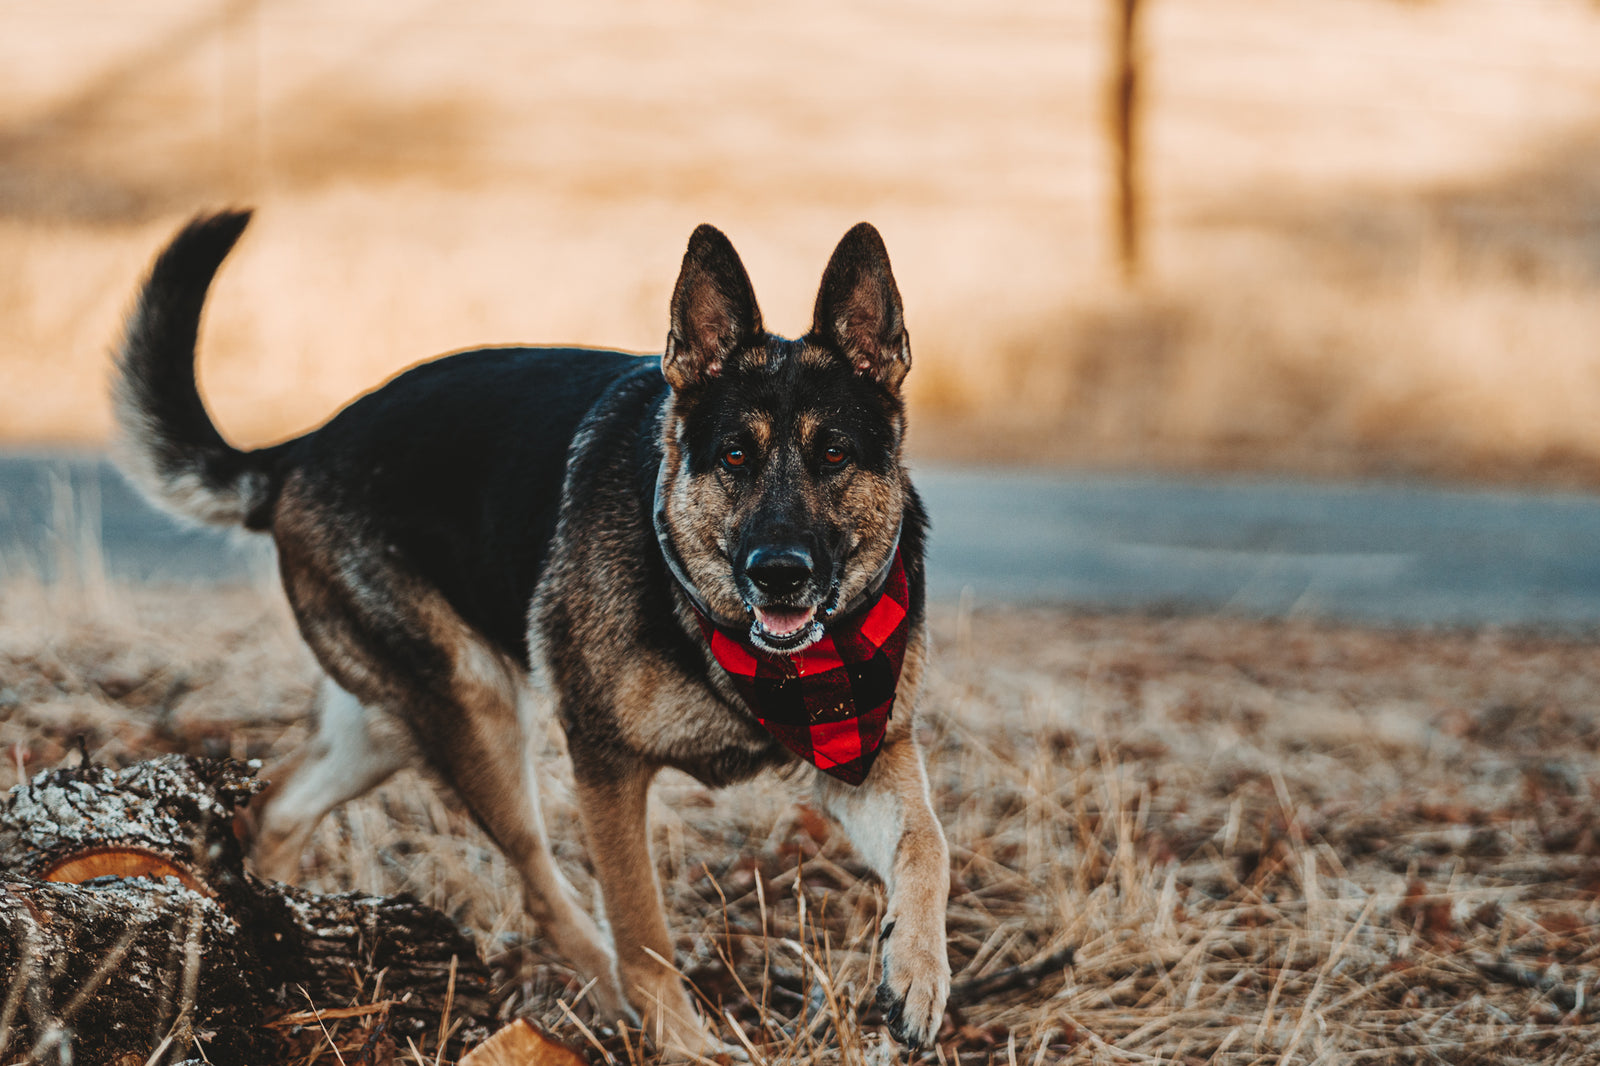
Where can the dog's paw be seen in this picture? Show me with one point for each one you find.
(697, 1044)
(677, 1029)
(611, 1005)
(916, 981)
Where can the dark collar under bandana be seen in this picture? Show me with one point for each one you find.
(829, 702)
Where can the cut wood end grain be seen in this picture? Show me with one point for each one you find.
(89, 864)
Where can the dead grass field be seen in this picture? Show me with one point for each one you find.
(1373, 241)
(1267, 843)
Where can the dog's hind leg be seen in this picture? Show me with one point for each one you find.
(466, 721)
(354, 750)
(487, 757)
(395, 642)
(481, 747)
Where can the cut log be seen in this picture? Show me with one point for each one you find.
(175, 809)
(127, 918)
(108, 970)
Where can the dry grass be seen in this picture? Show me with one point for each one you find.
(1372, 223)
(1267, 842)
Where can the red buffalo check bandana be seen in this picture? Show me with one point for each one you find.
(828, 703)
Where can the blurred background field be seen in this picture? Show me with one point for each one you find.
(1372, 238)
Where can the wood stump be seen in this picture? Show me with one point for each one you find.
(128, 922)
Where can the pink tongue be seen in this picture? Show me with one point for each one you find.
(784, 621)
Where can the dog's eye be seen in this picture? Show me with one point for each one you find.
(733, 458)
(834, 456)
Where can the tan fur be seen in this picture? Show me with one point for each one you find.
(701, 527)
(615, 818)
(876, 504)
(476, 691)
(760, 428)
(817, 358)
(660, 714)
(755, 359)
(914, 865)
(492, 777)
(806, 428)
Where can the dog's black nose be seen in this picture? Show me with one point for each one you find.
(779, 571)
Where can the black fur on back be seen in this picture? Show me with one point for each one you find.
(453, 471)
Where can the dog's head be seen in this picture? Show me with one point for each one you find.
(783, 486)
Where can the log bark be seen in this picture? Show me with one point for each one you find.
(108, 970)
(127, 919)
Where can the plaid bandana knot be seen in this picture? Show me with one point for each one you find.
(829, 703)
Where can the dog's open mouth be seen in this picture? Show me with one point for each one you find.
(785, 629)
(784, 622)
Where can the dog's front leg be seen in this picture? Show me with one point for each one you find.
(615, 806)
(889, 818)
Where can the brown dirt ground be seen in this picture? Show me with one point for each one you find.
(1265, 841)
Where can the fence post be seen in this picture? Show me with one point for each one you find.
(1123, 114)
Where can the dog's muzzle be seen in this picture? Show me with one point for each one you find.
(784, 577)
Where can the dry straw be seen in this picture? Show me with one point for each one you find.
(1262, 842)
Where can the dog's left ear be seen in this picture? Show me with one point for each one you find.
(858, 309)
(714, 310)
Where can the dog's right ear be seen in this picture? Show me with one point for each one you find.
(714, 310)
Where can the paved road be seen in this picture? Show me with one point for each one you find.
(1265, 548)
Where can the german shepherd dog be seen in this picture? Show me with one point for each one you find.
(657, 545)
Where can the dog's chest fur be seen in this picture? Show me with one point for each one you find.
(608, 623)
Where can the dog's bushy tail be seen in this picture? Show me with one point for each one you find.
(168, 444)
